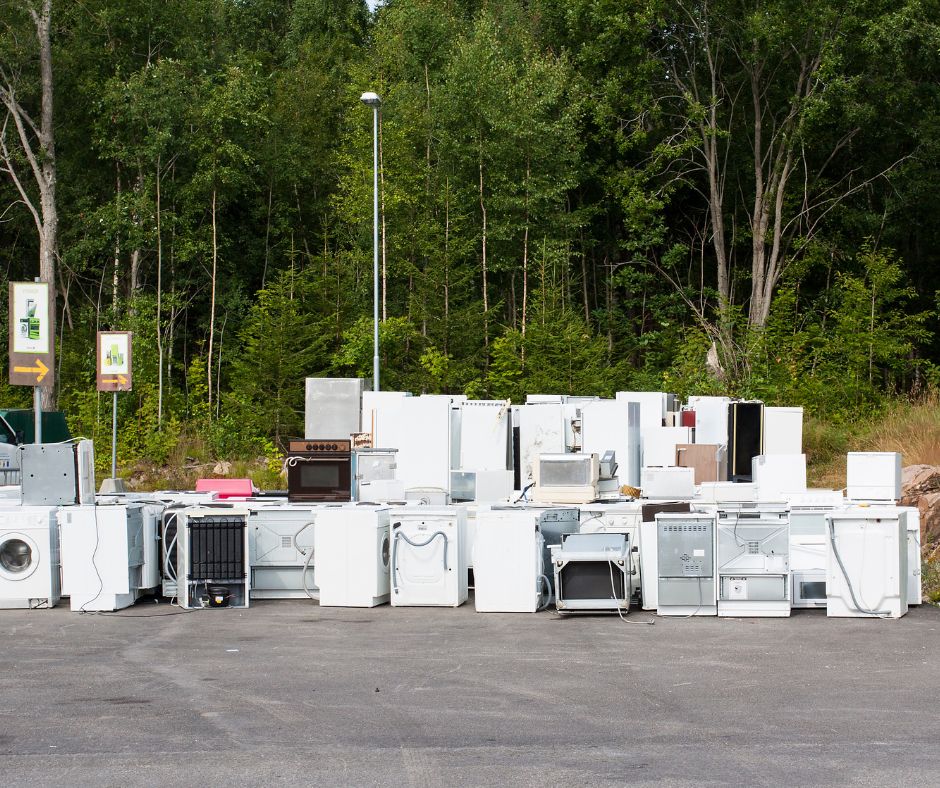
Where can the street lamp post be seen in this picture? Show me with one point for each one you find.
(372, 100)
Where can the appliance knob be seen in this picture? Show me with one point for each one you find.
(334, 447)
(309, 447)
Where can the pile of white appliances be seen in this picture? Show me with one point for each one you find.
(722, 523)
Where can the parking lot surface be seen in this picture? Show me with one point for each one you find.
(291, 693)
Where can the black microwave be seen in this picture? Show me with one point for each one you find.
(319, 470)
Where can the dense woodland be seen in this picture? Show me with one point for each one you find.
(576, 196)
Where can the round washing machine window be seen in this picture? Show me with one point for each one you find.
(18, 556)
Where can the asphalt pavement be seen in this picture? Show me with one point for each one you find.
(291, 693)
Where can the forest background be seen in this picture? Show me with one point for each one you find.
(577, 196)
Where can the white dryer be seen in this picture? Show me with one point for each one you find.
(428, 564)
(29, 557)
(352, 549)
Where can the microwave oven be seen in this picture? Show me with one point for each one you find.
(319, 470)
(566, 478)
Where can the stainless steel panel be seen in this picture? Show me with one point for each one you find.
(686, 591)
(333, 407)
(685, 548)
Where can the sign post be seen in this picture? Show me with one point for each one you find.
(31, 347)
(114, 375)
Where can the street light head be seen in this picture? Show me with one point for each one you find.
(371, 99)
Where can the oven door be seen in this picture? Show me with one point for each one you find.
(319, 478)
(809, 589)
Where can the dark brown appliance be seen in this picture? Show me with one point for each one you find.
(319, 469)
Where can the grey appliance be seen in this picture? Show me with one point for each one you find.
(469, 486)
(280, 550)
(592, 573)
(686, 565)
(58, 474)
(333, 406)
(753, 563)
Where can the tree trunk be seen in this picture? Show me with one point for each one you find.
(486, 300)
(215, 260)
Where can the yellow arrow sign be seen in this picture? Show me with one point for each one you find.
(119, 379)
(40, 369)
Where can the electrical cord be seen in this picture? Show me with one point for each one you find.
(548, 593)
(303, 577)
(399, 534)
(94, 555)
(613, 589)
(848, 583)
(523, 493)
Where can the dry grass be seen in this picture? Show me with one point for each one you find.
(910, 428)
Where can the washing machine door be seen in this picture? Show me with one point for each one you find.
(19, 556)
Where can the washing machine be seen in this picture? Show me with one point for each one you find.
(353, 552)
(29, 557)
(428, 563)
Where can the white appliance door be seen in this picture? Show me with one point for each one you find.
(606, 425)
(870, 555)
(541, 431)
(783, 430)
(424, 565)
(506, 563)
(484, 436)
(383, 559)
(419, 427)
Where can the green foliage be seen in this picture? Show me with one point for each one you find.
(545, 218)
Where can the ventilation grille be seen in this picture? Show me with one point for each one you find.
(685, 528)
(287, 541)
(217, 549)
(753, 548)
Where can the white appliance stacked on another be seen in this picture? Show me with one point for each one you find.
(353, 551)
(428, 565)
(873, 476)
(103, 555)
(670, 484)
(482, 452)
(29, 557)
(614, 425)
(711, 419)
(778, 475)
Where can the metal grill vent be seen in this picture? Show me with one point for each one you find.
(216, 549)
(286, 541)
(753, 547)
